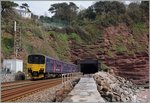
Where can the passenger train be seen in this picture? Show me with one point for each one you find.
(41, 66)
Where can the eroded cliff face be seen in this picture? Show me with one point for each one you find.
(130, 53)
(134, 68)
(120, 48)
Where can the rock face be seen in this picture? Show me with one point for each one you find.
(132, 67)
(133, 63)
(115, 88)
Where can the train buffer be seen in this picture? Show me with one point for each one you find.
(84, 91)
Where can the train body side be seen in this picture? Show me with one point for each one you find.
(53, 66)
(59, 67)
(50, 66)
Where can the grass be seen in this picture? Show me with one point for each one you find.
(101, 50)
(29, 48)
(7, 46)
(75, 37)
(118, 44)
(62, 37)
(93, 31)
(110, 54)
(37, 32)
(104, 67)
(138, 28)
(60, 44)
(120, 48)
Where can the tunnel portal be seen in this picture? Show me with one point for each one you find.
(88, 66)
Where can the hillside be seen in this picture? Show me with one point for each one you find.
(121, 47)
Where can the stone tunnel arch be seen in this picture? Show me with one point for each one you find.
(88, 66)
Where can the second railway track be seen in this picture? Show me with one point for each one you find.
(19, 90)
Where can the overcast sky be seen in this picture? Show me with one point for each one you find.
(41, 7)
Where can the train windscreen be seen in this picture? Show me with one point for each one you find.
(36, 59)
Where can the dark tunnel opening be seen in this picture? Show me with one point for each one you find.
(89, 68)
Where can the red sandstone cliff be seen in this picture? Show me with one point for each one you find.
(132, 63)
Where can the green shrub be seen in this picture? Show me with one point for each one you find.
(104, 67)
(52, 34)
(121, 48)
(62, 37)
(29, 48)
(7, 45)
(61, 45)
(110, 54)
(37, 32)
(105, 23)
(75, 37)
(138, 28)
(112, 21)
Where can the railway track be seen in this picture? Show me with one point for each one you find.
(14, 91)
(11, 85)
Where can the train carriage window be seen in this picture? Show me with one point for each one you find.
(65, 67)
(58, 67)
(51, 63)
(36, 59)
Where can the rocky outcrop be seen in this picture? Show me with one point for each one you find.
(134, 68)
(115, 88)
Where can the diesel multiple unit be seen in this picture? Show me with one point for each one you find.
(41, 66)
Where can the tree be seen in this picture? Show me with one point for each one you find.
(25, 6)
(134, 12)
(81, 14)
(72, 11)
(144, 6)
(64, 11)
(33, 16)
(8, 5)
(117, 8)
(113, 7)
(90, 14)
(45, 19)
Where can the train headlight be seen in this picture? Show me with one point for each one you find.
(41, 69)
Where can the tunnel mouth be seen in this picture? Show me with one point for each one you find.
(89, 68)
(88, 65)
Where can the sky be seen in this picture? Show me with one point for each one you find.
(41, 7)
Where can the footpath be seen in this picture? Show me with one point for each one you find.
(84, 91)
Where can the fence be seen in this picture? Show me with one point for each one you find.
(68, 77)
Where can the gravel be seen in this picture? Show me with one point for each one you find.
(7, 77)
(143, 96)
(56, 93)
(47, 95)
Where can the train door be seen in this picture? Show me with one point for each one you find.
(58, 67)
(49, 65)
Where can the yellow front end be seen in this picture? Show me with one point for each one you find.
(36, 71)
